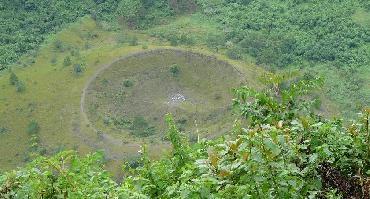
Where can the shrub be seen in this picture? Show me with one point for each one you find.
(20, 86)
(33, 127)
(75, 52)
(122, 122)
(13, 79)
(134, 162)
(3, 130)
(87, 45)
(173, 41)
(128, 83)
(106, 120)
(78, 69)
(175, 70)
(67, 61)
(105, 82)
(58, 46)
(140, 127)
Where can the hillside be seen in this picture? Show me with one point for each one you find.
(197, 99)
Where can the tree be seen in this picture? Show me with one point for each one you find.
(67, 61)
(129, 11)
(20, 86)
(78, 69)
(175, 70)
(13, 79)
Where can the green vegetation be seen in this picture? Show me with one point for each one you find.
(133, 41)
(67, 61)
(262, 99)
(29, 23)
(33, 127)
(15, 81)
(20, 86)
(316, 31)
(128, 83)
(141, 128)
(3, 130)
(175, 70)
(323, 37)
(78, 69)
(319, 34)
(153, 83)
(145, 46)
(291, 153)
(215, 41)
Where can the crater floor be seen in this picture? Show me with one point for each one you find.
(132, 96)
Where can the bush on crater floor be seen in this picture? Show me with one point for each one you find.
(33, 127)
(128, 83)
(67, 61)
(141, 128)
(3, 130)
(122, 122)
(175, 70)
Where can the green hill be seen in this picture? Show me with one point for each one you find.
(254, 92)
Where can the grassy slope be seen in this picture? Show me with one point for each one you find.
(362, 17)
(53, 92)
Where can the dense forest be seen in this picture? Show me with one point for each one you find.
(288, 138)
(324, 35)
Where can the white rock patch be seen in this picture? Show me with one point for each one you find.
(176, 98)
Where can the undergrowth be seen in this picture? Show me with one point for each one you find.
(278, 148)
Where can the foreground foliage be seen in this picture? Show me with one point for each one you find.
(279, 148)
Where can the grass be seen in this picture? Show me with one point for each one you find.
(186, 84)
(53, 94)
(362, 17)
